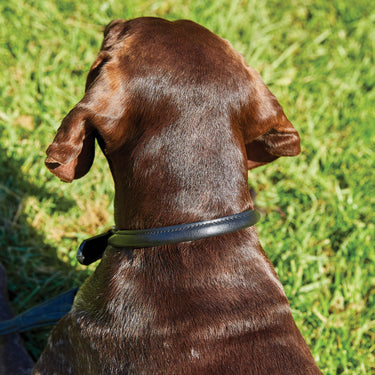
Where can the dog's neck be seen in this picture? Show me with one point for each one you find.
(161, 213)
(162, 184)
(154, 206)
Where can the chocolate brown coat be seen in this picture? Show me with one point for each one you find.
(180, 118)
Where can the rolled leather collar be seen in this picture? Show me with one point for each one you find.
(92, 249)
(183, 232)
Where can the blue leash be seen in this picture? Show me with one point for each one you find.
(46, 314)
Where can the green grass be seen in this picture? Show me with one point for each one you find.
(318, 223)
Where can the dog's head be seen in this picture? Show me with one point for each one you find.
(151, 72)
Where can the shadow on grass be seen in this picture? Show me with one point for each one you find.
(34, 271)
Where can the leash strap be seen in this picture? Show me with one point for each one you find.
(46, 314)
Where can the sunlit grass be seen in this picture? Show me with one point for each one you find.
(318, 223)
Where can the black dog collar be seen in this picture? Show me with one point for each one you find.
(92, 249)
(183, 232)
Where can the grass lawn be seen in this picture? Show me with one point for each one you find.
(318, 209)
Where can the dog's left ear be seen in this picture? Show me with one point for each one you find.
(71, 153)
(268, 133)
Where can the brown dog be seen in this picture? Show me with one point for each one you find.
(180, 117)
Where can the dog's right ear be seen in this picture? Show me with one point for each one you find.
(71, 153)
(268, 134)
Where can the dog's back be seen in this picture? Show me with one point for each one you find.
(180, 118)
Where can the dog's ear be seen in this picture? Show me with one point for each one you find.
(268, 133)
(71, 153)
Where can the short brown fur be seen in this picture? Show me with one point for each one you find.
(180, 118)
